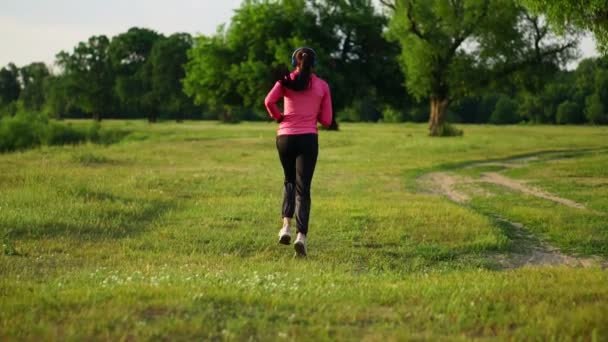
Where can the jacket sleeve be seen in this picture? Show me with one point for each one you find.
(325, 115)
(275, 94)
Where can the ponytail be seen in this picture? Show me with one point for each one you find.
(305, 60)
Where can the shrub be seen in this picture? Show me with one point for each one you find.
(447, 130)
(361, 110)
(568, 112)
(392, 115)
(420, 113)
(487, 106)
(28, 130)
(21, 131)
(595, 110)
(505, 111)
(61, 134)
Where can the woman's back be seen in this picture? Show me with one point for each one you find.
(302, 109)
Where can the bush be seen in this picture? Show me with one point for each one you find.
(21, 131)
(568, 112)
(420, 113)
(487, 106)
(505, 111)
(595, 110)
(28, 130)
(61, 134)
(447, 130)
(360, 111)
(392, 115)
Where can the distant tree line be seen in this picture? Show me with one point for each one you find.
(471, 61)
(135, 74)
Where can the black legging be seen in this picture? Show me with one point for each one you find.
(298, 155)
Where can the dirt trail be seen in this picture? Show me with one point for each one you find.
(451, 185)
(498, 179)
(527, 249)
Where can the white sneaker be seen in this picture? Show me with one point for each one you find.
(300, 245)
(285, 235)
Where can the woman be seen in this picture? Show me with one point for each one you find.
(307, 100)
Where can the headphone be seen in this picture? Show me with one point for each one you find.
(294, 62)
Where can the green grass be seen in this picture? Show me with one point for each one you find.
(171, 234)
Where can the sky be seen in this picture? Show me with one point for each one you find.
(36, 30)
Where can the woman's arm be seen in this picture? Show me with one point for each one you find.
(325, 115)
(275, 94)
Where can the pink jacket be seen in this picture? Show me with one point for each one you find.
(302, 109)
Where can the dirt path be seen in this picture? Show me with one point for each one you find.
(451, 185)
(527, 249)
(498, 179)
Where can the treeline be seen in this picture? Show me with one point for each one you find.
(380, 65)
(135, 74)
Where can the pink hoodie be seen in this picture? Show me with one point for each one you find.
(302, 108)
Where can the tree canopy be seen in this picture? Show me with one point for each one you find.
(591, 15)
(473, 61)
(453, 48)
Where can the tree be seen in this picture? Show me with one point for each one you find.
(58, 100)
(505, 111)
(361, 64)
(589, 15)
(10, 88)
(569, 112)
(165, 70)
(206, 75)
(452, 48)
(89, 76)
(236, 67)
(128, 55)
(33, 77)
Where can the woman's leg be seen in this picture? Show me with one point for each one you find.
(287, 154)
(305, 168)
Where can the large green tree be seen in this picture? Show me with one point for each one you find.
(363, 69)
(165, 71)
(589, 15)
(33, 77)
(236, 67)
(10, 88)
(58, 99)
(451, 48)
(89, 76)
(129, 53)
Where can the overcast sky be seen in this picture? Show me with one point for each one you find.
(36, 30)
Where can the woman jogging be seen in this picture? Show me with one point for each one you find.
(307, 100)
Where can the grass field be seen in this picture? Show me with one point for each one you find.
(171, 235)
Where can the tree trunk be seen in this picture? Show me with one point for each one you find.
(97, 117)
(439, 104)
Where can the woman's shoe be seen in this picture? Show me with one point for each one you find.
(285, 235)
(300, 245)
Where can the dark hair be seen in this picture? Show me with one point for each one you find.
(305, 59)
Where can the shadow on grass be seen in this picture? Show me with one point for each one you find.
(99, 216)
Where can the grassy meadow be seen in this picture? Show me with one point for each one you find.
(171, 234)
